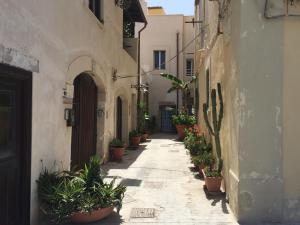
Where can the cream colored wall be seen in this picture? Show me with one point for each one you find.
(220, 58)
(67, 40)
(291, 122)
(160, 34)
(256, 61)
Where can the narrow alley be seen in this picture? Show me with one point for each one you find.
(163, 189)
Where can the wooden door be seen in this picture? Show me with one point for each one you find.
(85, 130)
(15, 136)
(119, 118)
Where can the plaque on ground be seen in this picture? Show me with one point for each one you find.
(142, 213)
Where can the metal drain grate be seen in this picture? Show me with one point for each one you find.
(142, 213)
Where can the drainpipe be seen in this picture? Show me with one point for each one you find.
(139, 69)
(177, 70)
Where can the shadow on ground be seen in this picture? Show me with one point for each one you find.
(219, 197)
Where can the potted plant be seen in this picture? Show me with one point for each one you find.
(118, 148)
(183, 121)
(212, 176)
(202, 161)
(78, 196)
(135, 138)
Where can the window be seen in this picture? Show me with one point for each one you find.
(160, 60)
(96, 6)
(189, 71)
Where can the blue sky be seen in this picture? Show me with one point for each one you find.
(185, 7)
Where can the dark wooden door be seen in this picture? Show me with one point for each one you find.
(85, 130)
(15, 136)
(119, 118)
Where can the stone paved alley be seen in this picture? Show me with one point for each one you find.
(158, 177)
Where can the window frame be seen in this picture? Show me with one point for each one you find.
(161, 64)
(93, 5)
(189, 71)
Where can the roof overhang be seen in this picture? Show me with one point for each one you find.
(135, 12)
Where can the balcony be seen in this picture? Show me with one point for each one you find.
(131, 15)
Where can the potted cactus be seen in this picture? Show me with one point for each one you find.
(135, 138)
(212, 176)
(118, 148)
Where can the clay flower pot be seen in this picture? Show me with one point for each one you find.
(98, 214)
(135, 141)
(117, 152)
(144, 137)
(180, 131)
(213, 184)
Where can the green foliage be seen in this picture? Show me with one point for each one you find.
(62, 194)
(196, 144)
(134, 133)
(152, 123)
(117, 143)
(181, 85)
(206, 159)
(215, 128)
(212, 173)
(183, 119)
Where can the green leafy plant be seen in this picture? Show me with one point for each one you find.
(134, 133)
(206, 159)
(181, 85)
(195, 144)
(63, 193)
(117, 143)
(211, 172)
(183, 119)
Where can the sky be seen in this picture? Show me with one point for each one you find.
(185, 7)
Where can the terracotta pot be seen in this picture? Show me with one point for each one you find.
(135, 141)
(95, 215)
(117, 153)
(180, 131)
(213, 184)
(144, 137)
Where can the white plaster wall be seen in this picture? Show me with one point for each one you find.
(160, 34)
(67, 40)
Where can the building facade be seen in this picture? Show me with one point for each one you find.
(62, 92)
(166, 47)
(251, 48)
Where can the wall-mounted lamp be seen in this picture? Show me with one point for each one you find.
(70, 117)
(114, 74)
(100, 112)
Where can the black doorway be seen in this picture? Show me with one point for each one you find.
(15, 145)
(119, 118)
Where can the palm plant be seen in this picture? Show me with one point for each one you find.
(180, 85)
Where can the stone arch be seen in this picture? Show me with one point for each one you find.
(85, 64)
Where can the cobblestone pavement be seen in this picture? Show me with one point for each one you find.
(162, 187)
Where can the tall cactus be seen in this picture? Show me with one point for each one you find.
(217, 121)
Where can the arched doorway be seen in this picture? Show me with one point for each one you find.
(84, 132)
(119, 127)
